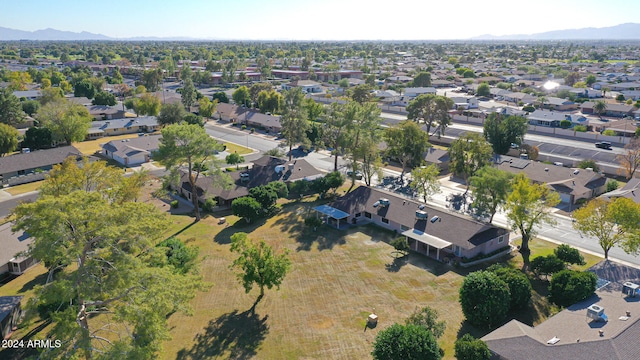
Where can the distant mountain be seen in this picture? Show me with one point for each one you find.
(48, 34)
(628, 31)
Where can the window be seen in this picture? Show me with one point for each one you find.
(404, 228)
(358, 215)
(500, 239)
(385, 220)
(367, 215)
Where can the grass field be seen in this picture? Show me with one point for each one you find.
(24, 188)
(241, 150)
(91, 146)
(320, 311)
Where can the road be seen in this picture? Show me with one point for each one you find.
(7, 205)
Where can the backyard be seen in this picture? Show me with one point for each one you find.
(337, 279)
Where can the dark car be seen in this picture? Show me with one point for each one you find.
(357, 175)
(603, 145)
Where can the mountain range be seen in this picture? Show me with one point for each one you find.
(628, 31)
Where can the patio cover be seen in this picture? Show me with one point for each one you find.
(426, 238)
(331, 211)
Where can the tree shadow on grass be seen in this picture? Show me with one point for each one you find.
(399, 260)
(233, 335)
(324, 236)
(38, 280)
(224, 236)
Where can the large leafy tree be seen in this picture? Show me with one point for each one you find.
(189, 146)
(207, 107)
(112, 284)
(427, 317)
(147, 104)
(432, 109)
(188, 95)
(567, 287)
(294, 119)
(256, 89)
(258, 264)
(405, 342)
(171, 114)
(337, 124)
(37, 138)
(518, 282)
(491, 186)
(407, 143)
(501, 131)
(361, 93)
(10, 109)
(468, 154)
(600, 107)
(365, 137)
(247, 208)
(68, 122)
(8, 139)
(470, 348)
(483, 296)
(104, 98)
(422, 79)
(241, 96)
(529, 205)
(630, 159)
(425, 181)
(613, 223)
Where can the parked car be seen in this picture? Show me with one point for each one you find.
(357, 175)
(603, 145)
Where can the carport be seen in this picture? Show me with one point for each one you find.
(331, 213)
(428, 240)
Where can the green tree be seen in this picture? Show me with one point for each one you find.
(221, 97)
(51, 95)
(569, 255)
(600, 108)
(568, 287)
(10, 108)
(361, 93)
(188, 95)
(242, 96)
(483, 90)
(181, 257)
(234, 159)
(590, 80)
(613, 223)
(502, 131)
(518, 282)
(30, 107)
(207, 107)
(483, 296)
(257, 88)
(171, 114)
(425, 181)
(187, 145)
(432, 109)
(334, 180)
(401, 245)
(265, 195)
(246, 207)
(491, 186)
(258, 264)
(68, 122)
(37, 138)
(112, 245)
(407, 143)
(147, 104)
(529, 205)
(294, 120)
(152, 78)
(337, 123)
(8, 139)
(547, 265)
(468, 154)
(423, 79)
(589, 164)
(405, 342)
(470, 348)
(104, 98)
(84, 88)
(427, 318)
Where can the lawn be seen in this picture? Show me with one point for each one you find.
(90, 147)
(241, 150)
(24, 188)
(320, 311)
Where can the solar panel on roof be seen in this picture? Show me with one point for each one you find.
(519, 163)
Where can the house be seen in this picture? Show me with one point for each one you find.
(32, 166)
(28, 94)
(573, 333)
(339, 75)
(438, 157)
(307, 86)
(10, 315)
(570, 184)
(143, 124)
(132, 152)
(559, 104)
(615, 110)
(289, 74)
(431, 231)
(249, 117)
(228, 112)
(411, 92)
(264, 170)
(631, 190)
(104, 112)
(14, 244)
(546, 118)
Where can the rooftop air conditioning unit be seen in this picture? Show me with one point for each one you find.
(596, 312)
(435, 218)
(421, 215)
(376, 204)
(385, 202)
(279, 169)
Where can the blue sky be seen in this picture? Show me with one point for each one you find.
(314, 20)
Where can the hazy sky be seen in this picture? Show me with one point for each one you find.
(314, 20)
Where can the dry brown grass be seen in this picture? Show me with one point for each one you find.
(91, 146)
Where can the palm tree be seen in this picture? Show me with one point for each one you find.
(542, 100)
(600, 107)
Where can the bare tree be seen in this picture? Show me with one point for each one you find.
(630, 159)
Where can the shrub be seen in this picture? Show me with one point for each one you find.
(569, 287)
(547, 265)
(428, 319)
(609, 132)
(565, 124)
(400, 244)
(180, 256)
(580, 128)
(243, 127)
(175, 204)
(313, 222)
(407, 342)
(483, 296)
(591, 164)
(519, 285)
(569, 255)
(613, 184)
(470, 348)
(209, 205)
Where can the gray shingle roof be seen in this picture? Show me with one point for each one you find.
(36, 159)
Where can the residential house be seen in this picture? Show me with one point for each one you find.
(132, 152)
(580, 331)
(104, 112)
(255, 119)
(439, 158)
(307, 86)
(10, 315)
(615, 110)
(519, 97)
(32, 166)
(399, 79)
(143, 124)
(340, 74)
(546, 118)
(431, 231)
(440, 83)
(559, 104)
(631, 190)
(28, 94)
(228, 112)
(412, 92)
(290, 74)
(570, 184)
(13, 257)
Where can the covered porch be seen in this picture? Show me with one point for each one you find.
(424, 242)
(331, 215)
